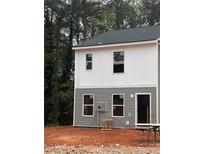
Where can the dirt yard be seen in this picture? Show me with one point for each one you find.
(72, 138)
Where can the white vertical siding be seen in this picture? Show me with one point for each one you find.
(140, 67)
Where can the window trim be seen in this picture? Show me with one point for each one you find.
(119, 105)
(88, 62)
(88, 105)
(118, 62)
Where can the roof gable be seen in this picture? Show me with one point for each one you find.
(140, 34)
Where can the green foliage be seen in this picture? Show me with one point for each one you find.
(68, 22)
(150, 12)
(65, 107)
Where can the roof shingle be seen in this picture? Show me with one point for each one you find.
(140, 34)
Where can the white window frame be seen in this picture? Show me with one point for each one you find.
(88, 105)
(119, 105)
(119, 62)
(88, 61)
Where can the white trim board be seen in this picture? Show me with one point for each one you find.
(74, 106)
(117, 86)
(146, 124)
(158, 84)
(115, 45)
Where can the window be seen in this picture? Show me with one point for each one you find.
(118, 58)
(118, 105)
(88, 61)
(88, 105)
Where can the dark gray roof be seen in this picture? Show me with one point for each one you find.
(124, 36)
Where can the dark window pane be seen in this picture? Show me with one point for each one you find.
(88, 57)
(88, 65)
(118, 68)
(118, 99)
(88, 99)
(88, 110)
(117, 110)
(118, 56)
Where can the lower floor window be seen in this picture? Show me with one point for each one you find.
(88, 110)
(88, 104)
(118, 105)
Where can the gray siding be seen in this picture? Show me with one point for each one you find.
(105, 95)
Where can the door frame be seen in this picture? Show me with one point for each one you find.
(150, 105)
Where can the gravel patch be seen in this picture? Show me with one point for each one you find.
(100, 149)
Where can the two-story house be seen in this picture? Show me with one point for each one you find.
(117, 77)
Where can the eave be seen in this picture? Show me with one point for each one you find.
(117, 45)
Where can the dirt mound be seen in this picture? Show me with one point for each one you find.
(69, 135)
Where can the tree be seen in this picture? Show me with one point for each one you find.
(150, 12)
(55, 46)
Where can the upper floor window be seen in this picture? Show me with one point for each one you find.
(118, 59)
(89, 61)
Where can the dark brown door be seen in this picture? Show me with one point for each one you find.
(143, 108)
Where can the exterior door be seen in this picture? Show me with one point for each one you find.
(143, 108)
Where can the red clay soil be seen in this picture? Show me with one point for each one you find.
(70, 135)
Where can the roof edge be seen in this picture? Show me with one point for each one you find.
(117, 44)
